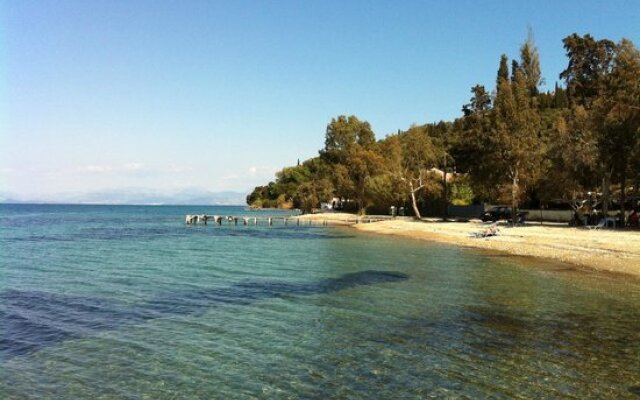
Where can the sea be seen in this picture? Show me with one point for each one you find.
(129, 302)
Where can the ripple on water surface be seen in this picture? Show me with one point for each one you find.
(127, 302)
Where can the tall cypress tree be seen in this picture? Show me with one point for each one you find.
(503, 70)
(530, 64)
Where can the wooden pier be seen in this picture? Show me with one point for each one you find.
(194, 219)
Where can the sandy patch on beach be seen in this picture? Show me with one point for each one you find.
(602, 250)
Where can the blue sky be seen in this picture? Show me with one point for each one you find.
(167, 95)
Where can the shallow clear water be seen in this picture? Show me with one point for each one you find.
(128, 302)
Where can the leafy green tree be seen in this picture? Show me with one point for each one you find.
(572, 156)
(350, 149)
(590, 61)
(387, 189)
(560, 99)
(409, 157)
(518, 141)
(616, 116)
(511, 149)
(603, 78)
(481, 101)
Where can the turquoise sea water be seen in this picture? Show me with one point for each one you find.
(128, 302)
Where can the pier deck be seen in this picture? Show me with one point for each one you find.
(194, 219)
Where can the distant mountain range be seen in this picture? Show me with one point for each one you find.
(136, 196)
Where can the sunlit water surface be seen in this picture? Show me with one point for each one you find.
(128, 302)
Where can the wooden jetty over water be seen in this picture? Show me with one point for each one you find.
(194, 219)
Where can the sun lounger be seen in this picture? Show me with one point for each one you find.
(600, 225)
(488, 232)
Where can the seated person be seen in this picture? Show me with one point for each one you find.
(634, 219)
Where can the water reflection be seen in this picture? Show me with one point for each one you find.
(33, 320)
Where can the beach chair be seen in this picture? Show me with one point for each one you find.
(492, 230)
(600, 225)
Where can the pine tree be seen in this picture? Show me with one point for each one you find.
(503, 70)
(530, 64)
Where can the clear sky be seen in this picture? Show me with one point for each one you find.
(219, 95)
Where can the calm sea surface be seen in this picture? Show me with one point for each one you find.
(125, 302)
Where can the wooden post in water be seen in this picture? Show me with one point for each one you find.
(255, 220)
(285, 221)
(298, 220)
(270, 221)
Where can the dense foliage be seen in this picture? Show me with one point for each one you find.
(514, 145)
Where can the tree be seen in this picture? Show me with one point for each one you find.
(481, 101)
(572, 155)
(409, 157)
(530, 64)
(560, 99)
(603, 78)
(511, 149)
(503, 70)
(418, 155)
(616, 116)
(350, 149)
(590, 61)
(525, 149)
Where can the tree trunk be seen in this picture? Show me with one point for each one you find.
(361, 197)
(413, 201)
(605, 194)
(514, 198)
(636, 189)
(445, 212)
(623, 197)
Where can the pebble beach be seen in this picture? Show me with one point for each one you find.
(616, 251)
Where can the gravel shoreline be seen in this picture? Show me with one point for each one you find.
(602, 250)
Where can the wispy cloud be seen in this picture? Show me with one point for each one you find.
(178, 169)
(134, 168)
(252, 173)
(99, 169)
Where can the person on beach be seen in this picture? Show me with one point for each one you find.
(634, 219)
(490, 231)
